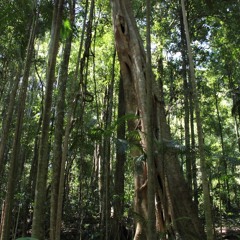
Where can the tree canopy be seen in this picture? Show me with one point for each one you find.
(97, 95)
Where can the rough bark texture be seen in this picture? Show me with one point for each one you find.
(171, 188)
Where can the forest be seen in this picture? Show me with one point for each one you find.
(120, 119)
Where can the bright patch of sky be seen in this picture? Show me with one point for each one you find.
(171, 55)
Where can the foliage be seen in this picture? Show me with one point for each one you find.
(215, 37)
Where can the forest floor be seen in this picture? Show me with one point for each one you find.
(228, 233)
(229, 228)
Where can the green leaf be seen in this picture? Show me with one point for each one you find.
(65, 29)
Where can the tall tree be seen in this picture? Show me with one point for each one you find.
(120, 166)
(151, 224)
(186, 106)
(81, 90)
(40, 193)
(206, 192)
(8, 119)
(59, 131)
(13, 173)
(133, 68)
(106, 154)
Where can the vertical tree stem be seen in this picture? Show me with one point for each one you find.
(150, 158)
(206, 193)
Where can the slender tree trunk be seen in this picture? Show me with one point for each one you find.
(7, 121)
(40, 193)
(223, 161)
(234, 99)
(192, 151)
(206, 193)
(106, 154)
(13, 173)
(189, 160)
(120, 163)
(59, 132)
(70, 115)
(2, 216)
(151, 175)
(30, 188)
(186, 106)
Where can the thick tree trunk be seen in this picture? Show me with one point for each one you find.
(133, 68)
(40, 193)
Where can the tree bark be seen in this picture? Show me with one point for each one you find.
(206, 192)
(106, 154)
(7, 121)
(30, 187)
(14, 161)
(119, 167)
(59, 131)
(133, 68)
(40, 193)
(186, 106)
(71, 112)
(151, 224)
